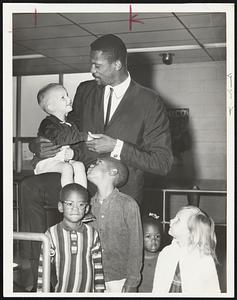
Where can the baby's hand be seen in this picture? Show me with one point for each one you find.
(69, 153)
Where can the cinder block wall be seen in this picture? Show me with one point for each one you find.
(201, 87)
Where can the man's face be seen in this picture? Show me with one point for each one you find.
(74, 207)
(102, 69)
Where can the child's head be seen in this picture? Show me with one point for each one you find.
(152, 233)
(73, 203)
(53, 99)
(108, 169)
(195, 228)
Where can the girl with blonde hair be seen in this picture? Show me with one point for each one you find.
(187, 265)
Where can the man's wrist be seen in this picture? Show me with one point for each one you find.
(117, 149)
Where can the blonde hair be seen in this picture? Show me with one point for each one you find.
(42, 95)
(202, 231)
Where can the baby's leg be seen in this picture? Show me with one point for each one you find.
(66, 171)
(79, 173)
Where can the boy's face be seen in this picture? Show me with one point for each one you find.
(58, 100)
(98, 170)
(74, 207)
(152, 237)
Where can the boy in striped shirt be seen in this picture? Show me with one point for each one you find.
(76, 263)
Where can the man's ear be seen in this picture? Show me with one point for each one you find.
(118, 65)
(60, 207)
(113, 172)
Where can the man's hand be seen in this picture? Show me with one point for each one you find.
(129, 289)
(43, 148)
(101, 143)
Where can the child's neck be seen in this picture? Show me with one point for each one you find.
(183, 243)
(150, 255)
(60, 116)
(71, 225)
(104, 190)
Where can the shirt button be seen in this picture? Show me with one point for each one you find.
(102, 216)
(115, 155)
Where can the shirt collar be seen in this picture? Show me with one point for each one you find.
(56, 120)
(79, 228)
(120, 89)
(114, 192)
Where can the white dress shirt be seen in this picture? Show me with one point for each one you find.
(118, 93)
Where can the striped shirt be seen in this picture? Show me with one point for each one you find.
(76, 263)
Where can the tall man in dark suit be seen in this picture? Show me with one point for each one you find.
(127, 120)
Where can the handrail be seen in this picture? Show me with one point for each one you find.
(30, 236)
(23, 139)
(194, 191)
(182, 191)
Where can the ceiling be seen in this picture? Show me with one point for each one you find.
(64, 38)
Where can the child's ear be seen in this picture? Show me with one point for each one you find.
(60, 207)
(113, 172)
(49, 107)
(87, 209)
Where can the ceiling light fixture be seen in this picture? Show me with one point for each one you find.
(175, 48)
(28, 56)
(167, 58)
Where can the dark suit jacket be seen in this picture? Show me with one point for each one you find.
(140, 121)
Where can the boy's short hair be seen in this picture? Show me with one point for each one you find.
(112, 46)
(41, 96)
(73, 187)
(122, 175)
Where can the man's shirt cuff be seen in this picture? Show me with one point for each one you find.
(117, 149)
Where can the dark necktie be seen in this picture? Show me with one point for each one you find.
(108, 107)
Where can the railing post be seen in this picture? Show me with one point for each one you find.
(30, 236)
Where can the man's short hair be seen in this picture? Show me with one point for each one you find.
(73, 187)
(112, 46)
(41, 96)
(122, 175)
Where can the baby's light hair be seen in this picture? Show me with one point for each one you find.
(41, 96)
(202, 231)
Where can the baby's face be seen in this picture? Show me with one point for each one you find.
(152, 237)
(58, 100)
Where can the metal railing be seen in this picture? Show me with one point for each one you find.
(41, 237)
(180, 191)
